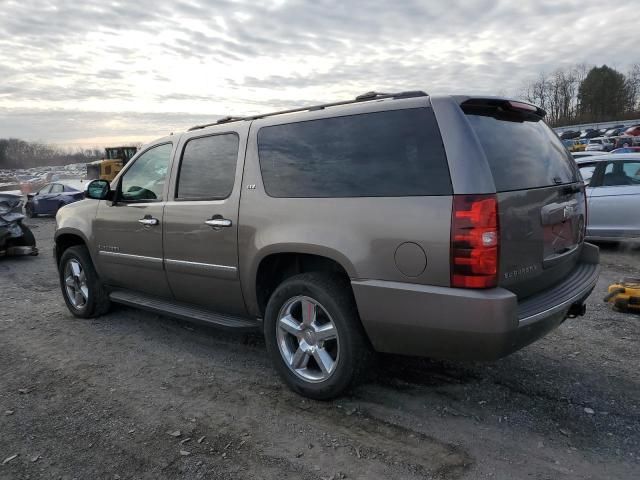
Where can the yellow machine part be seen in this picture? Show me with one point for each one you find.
(624, 295)
(109, 169)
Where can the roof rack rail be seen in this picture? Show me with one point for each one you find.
(222, 120)
(360, 98)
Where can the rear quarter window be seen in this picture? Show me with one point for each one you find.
(522, 154)
(392, 153)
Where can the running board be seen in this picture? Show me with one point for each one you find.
(182, 311)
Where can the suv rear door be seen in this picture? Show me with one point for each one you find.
(128, 232)
(541, 198)
(201, 219)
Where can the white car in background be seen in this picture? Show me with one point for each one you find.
(599, 144)
(613, 190)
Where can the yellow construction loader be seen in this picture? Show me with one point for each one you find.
(107, 168)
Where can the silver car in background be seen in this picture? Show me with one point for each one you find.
(613, 191)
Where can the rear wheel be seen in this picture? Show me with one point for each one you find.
(314, 335)
(81, 287)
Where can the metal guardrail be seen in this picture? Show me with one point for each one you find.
(599, 125)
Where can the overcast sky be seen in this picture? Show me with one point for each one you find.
(94, 72)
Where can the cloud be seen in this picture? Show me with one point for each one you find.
(212, 58)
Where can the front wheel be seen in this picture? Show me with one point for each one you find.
(28, 210)
(81, 287)
(314, 336)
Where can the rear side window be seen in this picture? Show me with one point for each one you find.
(522, 153)
(392, 153)
(208, 167)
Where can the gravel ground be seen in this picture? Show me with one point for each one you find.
(137, 395)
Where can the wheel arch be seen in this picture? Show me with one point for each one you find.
(66, 238)
(274, 266)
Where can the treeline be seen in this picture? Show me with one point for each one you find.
(15, 153)
(583, 94)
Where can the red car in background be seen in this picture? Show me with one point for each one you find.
(635, 130)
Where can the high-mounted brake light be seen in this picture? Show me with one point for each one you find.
(522, 106)
(475, 239)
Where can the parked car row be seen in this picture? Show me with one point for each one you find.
(616, 131)
(601, 144)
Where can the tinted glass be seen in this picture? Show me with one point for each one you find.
(144, 180)
(621, 174)
(208, 167)
(393, 153)
(57, 188)
(632, 169)
(523, 154)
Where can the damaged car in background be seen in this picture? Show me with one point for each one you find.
(15, 237)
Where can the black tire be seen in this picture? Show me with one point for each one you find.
(28, 210)
(333, 293)
(97, 302)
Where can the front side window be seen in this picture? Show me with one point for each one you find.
(621, 174)
(57, 188)
(208, 167)
(44, 190)
(144, 180)
(383, 154)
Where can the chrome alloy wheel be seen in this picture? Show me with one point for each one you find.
(307, 339)
(75, 283)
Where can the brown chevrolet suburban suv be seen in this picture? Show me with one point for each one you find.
(448, 227)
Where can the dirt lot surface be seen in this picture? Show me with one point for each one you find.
(137, 395)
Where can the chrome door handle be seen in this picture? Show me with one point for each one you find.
(149, 221)
(218, 222)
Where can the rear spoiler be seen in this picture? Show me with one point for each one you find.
(502, 106)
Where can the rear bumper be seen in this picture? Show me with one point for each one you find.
(455, 323)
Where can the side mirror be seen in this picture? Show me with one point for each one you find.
(98, 189)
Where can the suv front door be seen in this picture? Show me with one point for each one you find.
(201, 220)
(614, 196)
(128, 231)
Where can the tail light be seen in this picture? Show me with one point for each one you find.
(475, 240)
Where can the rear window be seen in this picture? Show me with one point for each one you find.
(522, 153)
(392, 153)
